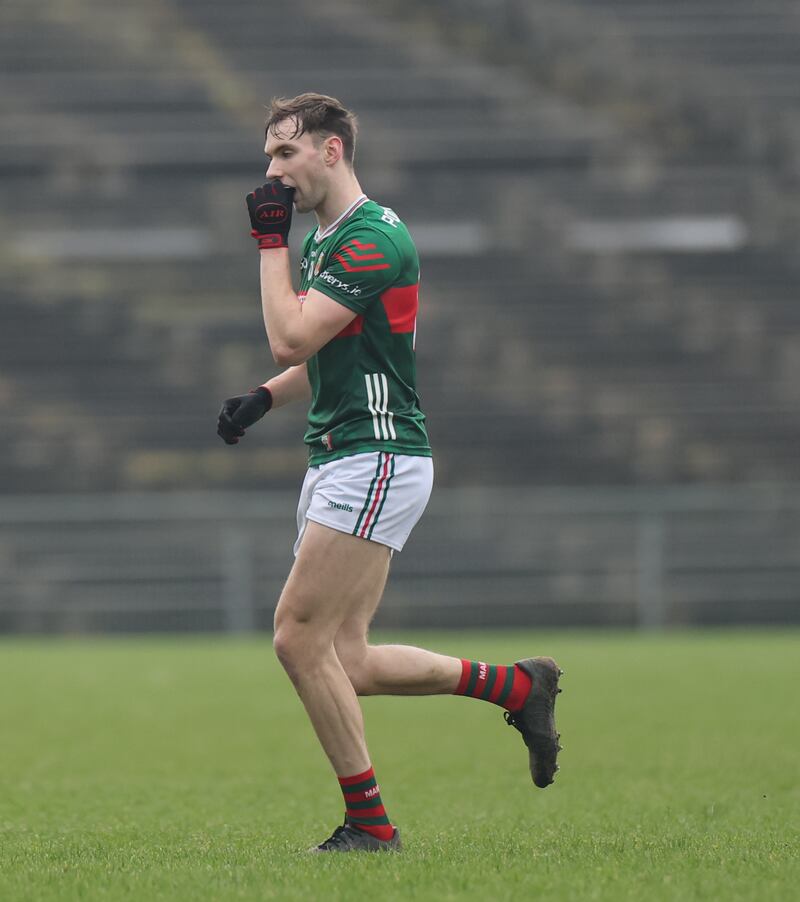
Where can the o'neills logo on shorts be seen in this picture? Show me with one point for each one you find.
(340, 507)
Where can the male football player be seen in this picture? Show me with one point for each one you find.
(346, 339)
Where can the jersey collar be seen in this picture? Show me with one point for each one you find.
(321, 236)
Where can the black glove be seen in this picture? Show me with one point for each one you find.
(242, 411)
(270, 209)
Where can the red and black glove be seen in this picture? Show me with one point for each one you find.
(242, 411)
(270, 209)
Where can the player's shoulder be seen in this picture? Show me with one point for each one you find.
(381, 217)
(374, 223)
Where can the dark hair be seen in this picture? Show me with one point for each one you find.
(316, 114)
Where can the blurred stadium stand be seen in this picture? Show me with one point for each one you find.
(604, 194)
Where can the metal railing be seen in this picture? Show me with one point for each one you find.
(479, 557)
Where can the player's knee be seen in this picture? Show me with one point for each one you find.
(287, 639)
(288, 647)
(298, 646)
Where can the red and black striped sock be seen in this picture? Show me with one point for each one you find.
(362, 799)
(505, 686)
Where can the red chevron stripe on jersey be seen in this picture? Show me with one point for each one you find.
(344, 249)
(349, 268)
(401, 305)
(352, 252)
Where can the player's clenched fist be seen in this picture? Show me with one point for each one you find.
(270, 209)
(242, 411)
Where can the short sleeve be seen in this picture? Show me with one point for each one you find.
(359, 268)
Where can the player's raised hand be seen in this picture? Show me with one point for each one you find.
(270, 209)
(242, 411)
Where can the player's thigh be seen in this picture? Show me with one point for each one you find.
(335, 575)
(351, 638)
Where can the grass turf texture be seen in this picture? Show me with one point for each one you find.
(154, 769)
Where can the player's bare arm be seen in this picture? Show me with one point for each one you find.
(305, 173)
(289, 386)
(296, 330)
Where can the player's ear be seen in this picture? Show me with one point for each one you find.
(332, 150)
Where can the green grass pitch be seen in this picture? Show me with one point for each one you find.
(184, 768)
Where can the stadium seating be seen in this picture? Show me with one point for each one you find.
(131, 308)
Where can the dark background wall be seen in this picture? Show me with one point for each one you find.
(604, 195)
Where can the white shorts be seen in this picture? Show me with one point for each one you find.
(377, 495)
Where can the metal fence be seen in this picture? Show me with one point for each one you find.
(479, 557)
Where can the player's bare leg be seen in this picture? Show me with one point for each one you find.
(333, 573)
(392, 669)
(321, 626)
(527, 691)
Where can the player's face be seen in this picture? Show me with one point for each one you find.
(298, 163)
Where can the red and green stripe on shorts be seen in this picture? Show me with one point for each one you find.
(376, 496)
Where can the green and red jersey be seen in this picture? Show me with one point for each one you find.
(363, 382)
